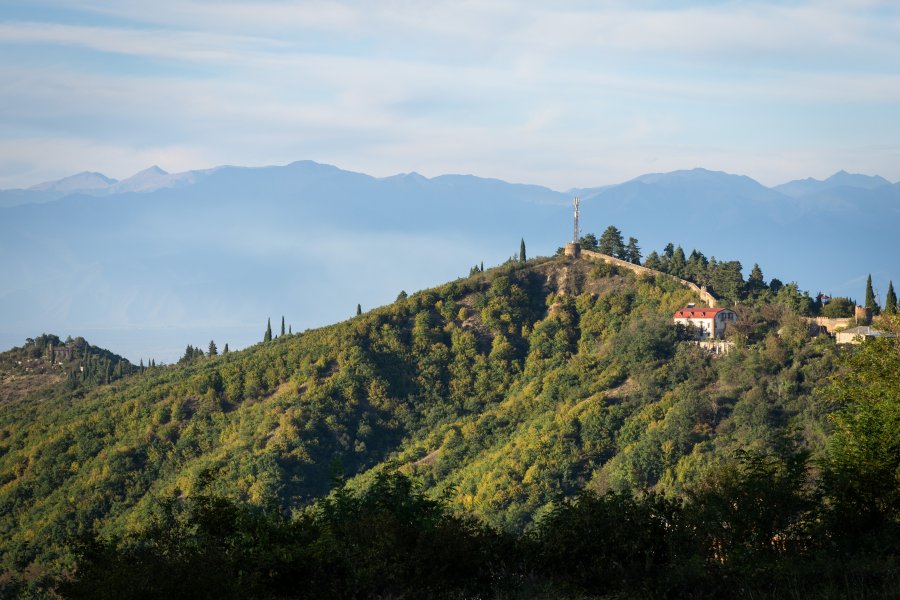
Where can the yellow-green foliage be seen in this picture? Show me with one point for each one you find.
(496, 391)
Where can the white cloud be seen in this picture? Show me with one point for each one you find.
(564, 96)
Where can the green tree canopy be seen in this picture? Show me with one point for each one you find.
(611, 243)
(890, 300)
(871, 303)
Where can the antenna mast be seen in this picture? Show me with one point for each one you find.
(576, 202)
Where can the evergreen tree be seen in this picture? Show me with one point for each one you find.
(633, 251)
(588, 242)
(890, 301)
(213, 351)
(482, 266)
(611, 242)
(678, 264)
(522, 250)
(282, 324)
(403, 296)
(669, 250)
(775, 284)
(268, 335)
(225, 349)
(653, 261)
(290, 331)
(870, 296)
(358, 309)
(755, 283)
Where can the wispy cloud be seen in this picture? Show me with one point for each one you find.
(576, 94)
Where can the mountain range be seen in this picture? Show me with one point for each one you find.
(150, 263)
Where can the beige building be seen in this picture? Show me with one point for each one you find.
(857, 335)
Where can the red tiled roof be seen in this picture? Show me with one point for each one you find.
(698, 313)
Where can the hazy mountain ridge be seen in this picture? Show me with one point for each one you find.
(211, 253)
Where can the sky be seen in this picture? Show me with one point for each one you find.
(562, 94)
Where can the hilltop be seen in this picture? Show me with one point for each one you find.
(503, 391)
(47, 366)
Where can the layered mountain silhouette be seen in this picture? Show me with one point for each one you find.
(201, 252)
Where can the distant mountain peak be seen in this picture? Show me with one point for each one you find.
(808, 186)
(86, 180)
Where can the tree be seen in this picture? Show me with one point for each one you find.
(282, 324)
(268, 335)
(890, 301)
(358, 309)
(669, 250)
(838, 308)
(611, 242)
(871, 304)
(225, 350)
(522, 250)
(588, 241)
(678, 264)
(755, 283)
(633, 251)
(403, 295)
(775, 285)
(653, 261)
(213, 351)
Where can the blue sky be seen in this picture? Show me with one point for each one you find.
(580, 94)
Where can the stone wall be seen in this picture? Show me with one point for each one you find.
(705, 296)
(831, 325)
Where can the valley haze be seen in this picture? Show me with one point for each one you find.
(156, 261)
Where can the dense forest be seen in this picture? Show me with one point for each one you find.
(536, 429)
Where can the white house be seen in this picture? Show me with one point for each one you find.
(706, 322)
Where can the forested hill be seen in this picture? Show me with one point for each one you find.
(48, 366)
(504, 392)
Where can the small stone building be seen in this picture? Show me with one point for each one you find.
(706, 323)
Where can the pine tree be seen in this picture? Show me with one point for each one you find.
(522, 250)
(633, 251)
(358, 309)
(213, 351)
(611, 243)
(870, 296)
(268, 335)
(890, 301)
(678, 263)
(653, 261)
(282, 324)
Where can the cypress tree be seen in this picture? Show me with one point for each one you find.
(225, 349)
(268, 335)
(282, 324)
(358, 310)
(290, 331)
(522, 250)
(870, 296)
(890, 301)
(213, 351)
(482, 266)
